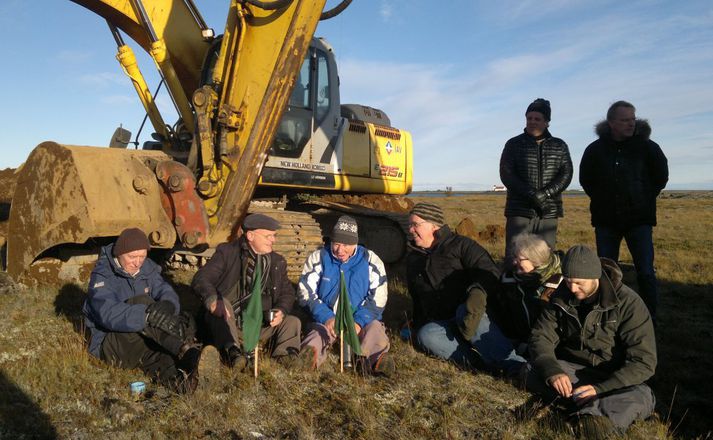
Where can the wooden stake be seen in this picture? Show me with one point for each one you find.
(256, 360)
(341, 351)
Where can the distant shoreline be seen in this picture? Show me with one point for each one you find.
(674, 193)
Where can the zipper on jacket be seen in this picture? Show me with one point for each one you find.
(539, 163)
(524, 306)
(581, 327)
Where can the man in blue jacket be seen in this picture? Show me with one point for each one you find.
(365, 279)
(132, 314)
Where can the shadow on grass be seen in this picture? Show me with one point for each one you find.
(683, 383)
(68, 303)
(20, 416)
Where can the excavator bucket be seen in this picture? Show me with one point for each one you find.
(70, 194)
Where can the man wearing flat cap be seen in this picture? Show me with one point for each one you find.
(365, 281)
(535, 167)
(133, 315)
(594, 346)
(450, 278)
(225, 285)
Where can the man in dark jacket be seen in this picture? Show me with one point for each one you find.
(623, 172)
(535, 167)
(225, 285)
(594, 345)
(449, 278)
(132, 314)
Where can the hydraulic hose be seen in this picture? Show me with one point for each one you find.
(326, 15)
(269, 6)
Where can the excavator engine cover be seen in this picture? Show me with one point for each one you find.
(69, 194)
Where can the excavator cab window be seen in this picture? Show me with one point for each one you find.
(323, 97)
(309, 105)
(295, 128)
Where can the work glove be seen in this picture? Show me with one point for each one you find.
(474, 309)
(160, 315)
(538, 199)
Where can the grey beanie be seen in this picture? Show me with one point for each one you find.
(260, 221)
(345, 231)
(581, 262)
(429, 212)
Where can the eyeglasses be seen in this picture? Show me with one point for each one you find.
(271, 237)
(416, 224)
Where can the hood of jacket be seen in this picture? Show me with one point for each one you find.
(641, 130)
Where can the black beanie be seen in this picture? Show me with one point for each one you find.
(131, 239)
(345, 231)
(581, 262)
(542, 106)
(429, 212)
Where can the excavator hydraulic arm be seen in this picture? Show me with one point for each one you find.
(68, 194)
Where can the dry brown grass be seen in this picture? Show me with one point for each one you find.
(50, 387)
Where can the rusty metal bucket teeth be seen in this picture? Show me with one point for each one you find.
(69, 194)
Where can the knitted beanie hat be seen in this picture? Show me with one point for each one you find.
(429, 212)
(345, 231)
(581, 262)
(131, 239)
(542, 106)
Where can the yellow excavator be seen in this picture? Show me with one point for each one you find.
(260, 118)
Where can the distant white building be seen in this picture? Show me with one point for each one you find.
(498, 188)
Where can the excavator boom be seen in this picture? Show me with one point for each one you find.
(68, 194)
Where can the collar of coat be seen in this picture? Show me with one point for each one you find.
(641, 131)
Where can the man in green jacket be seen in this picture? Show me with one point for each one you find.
(594, 347)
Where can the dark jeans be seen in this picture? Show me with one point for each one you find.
(640, 241)
(544, 227)
(151, 350)
(622, 406)
(443, 339)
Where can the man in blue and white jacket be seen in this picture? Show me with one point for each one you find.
(133, 315)
(366, 283)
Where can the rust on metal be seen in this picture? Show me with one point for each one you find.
(182, 204)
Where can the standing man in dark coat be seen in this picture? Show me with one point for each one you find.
(535, 167)
(225, 285)
(133, 315)
(623, 172)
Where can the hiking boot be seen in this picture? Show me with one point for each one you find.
(209, 366)
(362, 366)
(234, 358)
(308, 358)
(594, 427)
(384, 366)
(187, 365)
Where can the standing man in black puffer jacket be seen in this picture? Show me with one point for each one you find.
(535, 167)
(623, 172)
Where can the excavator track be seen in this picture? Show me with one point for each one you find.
(299, 236)
(303, 232)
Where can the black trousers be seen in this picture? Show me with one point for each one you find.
(151, 350)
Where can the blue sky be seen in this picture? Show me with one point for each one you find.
(457, 74)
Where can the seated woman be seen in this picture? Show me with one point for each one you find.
(536, 272)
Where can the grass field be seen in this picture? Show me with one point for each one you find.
(50, 387)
